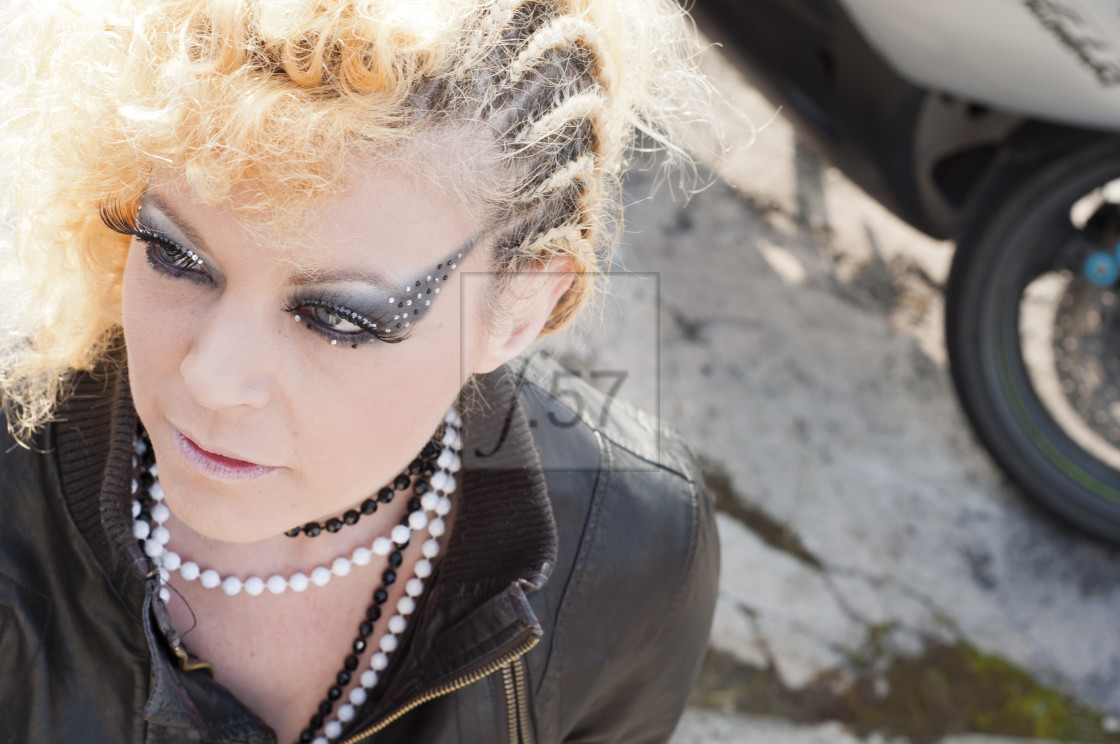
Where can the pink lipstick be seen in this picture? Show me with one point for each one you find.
(216, 466)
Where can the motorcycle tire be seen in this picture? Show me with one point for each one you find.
(1021, 251)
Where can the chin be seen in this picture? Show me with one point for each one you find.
(199, 512)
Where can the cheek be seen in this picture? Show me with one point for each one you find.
(381, 415)
(149, 315)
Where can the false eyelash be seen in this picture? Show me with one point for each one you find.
(118, 219)
(388, 336)
(178, 260)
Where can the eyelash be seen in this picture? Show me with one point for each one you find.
(171, 259)
(300, 307)
(165, 256)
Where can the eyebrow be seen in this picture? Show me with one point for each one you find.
(374, 278)
(181, 223)
(304, 278)
(378, 279)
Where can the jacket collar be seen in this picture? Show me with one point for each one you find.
(503, 543)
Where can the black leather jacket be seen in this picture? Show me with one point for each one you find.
(573, 603)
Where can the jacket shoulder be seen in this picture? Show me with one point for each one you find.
(30, 482)
(566, 400)
(634, 588)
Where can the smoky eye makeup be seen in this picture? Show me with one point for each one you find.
(343, 320)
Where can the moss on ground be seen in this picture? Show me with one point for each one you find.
(952, 688)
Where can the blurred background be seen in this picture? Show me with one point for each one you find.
(883, 579)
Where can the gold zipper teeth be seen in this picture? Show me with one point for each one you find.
(522, 701)
(511, 701)
(445, 689)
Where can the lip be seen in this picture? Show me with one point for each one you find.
(219, 466)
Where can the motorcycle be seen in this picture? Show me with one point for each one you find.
(995, 123)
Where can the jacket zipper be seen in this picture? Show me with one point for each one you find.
(513, 678)
(445, 689)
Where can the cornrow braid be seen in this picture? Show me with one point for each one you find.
(560, 33)
(581, 106)
(579, 170)
(548, 102)
(500, 15)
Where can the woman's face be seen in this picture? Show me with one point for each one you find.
(259, 422)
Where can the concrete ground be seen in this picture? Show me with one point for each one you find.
(882, 581)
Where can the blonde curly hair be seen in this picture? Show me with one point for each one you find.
(540, 99)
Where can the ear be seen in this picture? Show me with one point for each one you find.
(534, 294)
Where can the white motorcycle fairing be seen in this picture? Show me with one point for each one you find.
(1057, 60)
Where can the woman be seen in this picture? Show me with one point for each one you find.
(284, 474)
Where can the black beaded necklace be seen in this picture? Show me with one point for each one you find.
(424, 466)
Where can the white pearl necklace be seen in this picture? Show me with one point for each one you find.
(435, 504)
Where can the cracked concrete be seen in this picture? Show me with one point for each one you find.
(790, 328)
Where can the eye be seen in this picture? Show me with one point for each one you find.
(164, 254)
(170, 258)
(334, 321)
(340, 325)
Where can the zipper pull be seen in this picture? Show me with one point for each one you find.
(190, 663)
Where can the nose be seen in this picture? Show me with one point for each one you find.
(228, 364)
